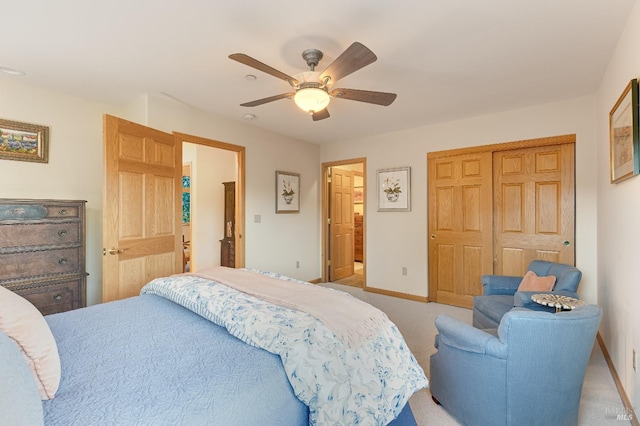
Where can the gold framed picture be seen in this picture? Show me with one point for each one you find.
(623, 135)
(24, 141)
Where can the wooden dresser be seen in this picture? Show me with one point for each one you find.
(42, 252)
(357, 238)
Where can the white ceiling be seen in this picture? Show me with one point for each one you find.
(446, 59)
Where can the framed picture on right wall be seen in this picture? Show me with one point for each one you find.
(623, 135)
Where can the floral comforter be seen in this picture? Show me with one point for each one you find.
(368, 385)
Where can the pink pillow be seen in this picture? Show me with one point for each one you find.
(532, 282)
(26, 326)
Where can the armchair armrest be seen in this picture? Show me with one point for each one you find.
(523, 298)
(456, 334)
(499, 284)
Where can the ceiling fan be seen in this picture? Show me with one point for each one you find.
(313, 90)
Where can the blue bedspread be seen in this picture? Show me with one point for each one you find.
(117, 359)
(368, 385)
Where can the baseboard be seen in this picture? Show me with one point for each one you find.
(630, 413)
(397, 294)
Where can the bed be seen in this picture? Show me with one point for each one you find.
(192, 350)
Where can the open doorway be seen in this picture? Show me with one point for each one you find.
(344, 216)
(212, 225)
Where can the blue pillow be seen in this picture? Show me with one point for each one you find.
(20, 402)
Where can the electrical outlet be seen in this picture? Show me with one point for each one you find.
(635, 361)
(297, 264)
(404, 270)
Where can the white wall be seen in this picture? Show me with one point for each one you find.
(210, 167)
(618, 229)
(399, 239)
(74, 170)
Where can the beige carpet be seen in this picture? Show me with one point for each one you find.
(600, 400)
(355, 280)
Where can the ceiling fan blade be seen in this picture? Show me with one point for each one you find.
(254, 63)
(266, 100)
(355, 57)
(320, 115)
(378, 98)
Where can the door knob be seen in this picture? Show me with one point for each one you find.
(433, 236)
(113, 251)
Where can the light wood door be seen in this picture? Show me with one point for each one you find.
(341, 227)
(460, 227)
(520, 206)
(534, 207)
(142, 235)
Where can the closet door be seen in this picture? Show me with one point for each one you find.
(460, 227)
(495, 208)
(534, 205)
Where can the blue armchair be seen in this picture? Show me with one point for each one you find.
(500, 295)
(531, 373)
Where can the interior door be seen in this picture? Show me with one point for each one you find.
(142, 236)
(534, 207)
(460, 227)
(341, 226)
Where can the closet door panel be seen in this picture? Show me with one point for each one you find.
(460, 248)
(534, 198)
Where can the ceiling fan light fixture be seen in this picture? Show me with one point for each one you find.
(311, 99)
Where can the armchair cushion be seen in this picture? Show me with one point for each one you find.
(532, 282)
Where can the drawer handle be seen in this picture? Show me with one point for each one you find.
(62, 233)
(62, 261)
(57, 297)
(62, 212)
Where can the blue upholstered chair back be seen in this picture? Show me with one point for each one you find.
(567, 277)
(530, 373)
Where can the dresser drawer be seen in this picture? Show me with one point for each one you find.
(62, 211)
(39, 234)
(39, 263)
(52, 297)
(37, 211)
